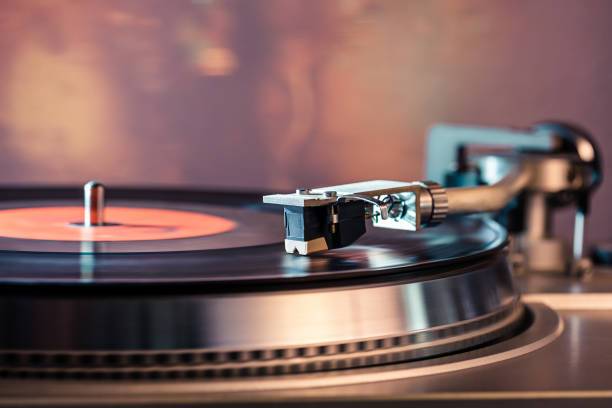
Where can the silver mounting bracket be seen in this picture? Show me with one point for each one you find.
(395, 204)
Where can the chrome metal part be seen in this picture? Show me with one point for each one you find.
(540, 178)
(363, 384)
(403, 318)
(330, 194)
(396, 205)
(542, 251)
(382, 206)
(317, 196)
(400, 205)
(559, 359)
(578, 234)
(538, 218)
(438, 200)
(443, 141)
(552, 163)
(411, 206)
(466, 200)
(405, 210)
(93, 194)
(561, 168)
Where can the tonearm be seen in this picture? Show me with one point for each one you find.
(547, 166)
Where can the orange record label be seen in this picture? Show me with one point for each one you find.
(125, 224)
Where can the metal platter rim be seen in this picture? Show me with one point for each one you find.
(400, 306)
(547, 328)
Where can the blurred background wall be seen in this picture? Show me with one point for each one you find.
(274, 94)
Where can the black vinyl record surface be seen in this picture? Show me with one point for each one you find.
(252, 252)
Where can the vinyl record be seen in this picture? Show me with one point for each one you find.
(206, 238)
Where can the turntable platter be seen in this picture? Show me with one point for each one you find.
(232, 302)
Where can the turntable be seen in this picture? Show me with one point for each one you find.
(383, 291)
